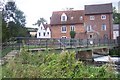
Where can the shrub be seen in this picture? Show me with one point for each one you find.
(114, 52)
(42, 65)
(72, 34)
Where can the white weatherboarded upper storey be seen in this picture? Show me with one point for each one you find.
(43, 31)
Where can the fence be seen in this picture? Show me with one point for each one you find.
(60, 43)
(11, 44)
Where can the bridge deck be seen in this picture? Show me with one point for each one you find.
(72, 48)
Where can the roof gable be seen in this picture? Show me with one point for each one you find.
(44, 26)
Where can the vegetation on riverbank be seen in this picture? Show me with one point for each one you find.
(115, 52)
(45, 65)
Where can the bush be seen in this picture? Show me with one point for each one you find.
(45, 65)
(115, 52)
(72, 34)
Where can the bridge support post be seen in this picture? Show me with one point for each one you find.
(84, 55)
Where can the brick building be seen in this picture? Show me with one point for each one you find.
(95, 21)
(98, 21)
(62, 22)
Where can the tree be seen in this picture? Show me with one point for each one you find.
(13, 22)
(39, 21)
(116, 16)
(12, 12)
(20, 17)
(72, 34)
(5, 32)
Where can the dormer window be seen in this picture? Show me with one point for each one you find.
(63, 17)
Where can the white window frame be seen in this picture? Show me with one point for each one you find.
(64, 37)
(92, 17)
(63, 17)
(72, 28)
(103, 17)
(62, 29)
(89, 28)
(103, 27)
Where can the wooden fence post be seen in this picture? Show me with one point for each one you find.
(46, 43)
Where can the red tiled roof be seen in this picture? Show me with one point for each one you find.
(98, 8)
(56, 17)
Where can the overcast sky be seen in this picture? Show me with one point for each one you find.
(34, 9)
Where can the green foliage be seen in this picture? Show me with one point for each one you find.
(14, 28)
(5, 32)
(39, 21)
(72, 34)
(114, 52)
(116, 16)
(46, 65)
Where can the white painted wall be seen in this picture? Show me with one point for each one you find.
(43, 33)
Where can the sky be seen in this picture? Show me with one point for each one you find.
(35, 9)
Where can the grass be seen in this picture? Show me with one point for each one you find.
(0, 72)
(5, 51)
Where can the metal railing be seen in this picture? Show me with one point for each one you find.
(54, 43)
(66, 43)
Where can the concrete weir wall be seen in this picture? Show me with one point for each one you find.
(88, 54)
(84, 55)
(102, 51)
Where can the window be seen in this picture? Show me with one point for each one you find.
(103, 27)
(63, 17)
(64, 37)
(72, 28)
(81, 18)
(63, 29)
(92, 18)
(47, 33)
(91, 36)
(41, 28)
(39, 34)
(44, 34)
(116, 27)
(89, 28)
(103, 17)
